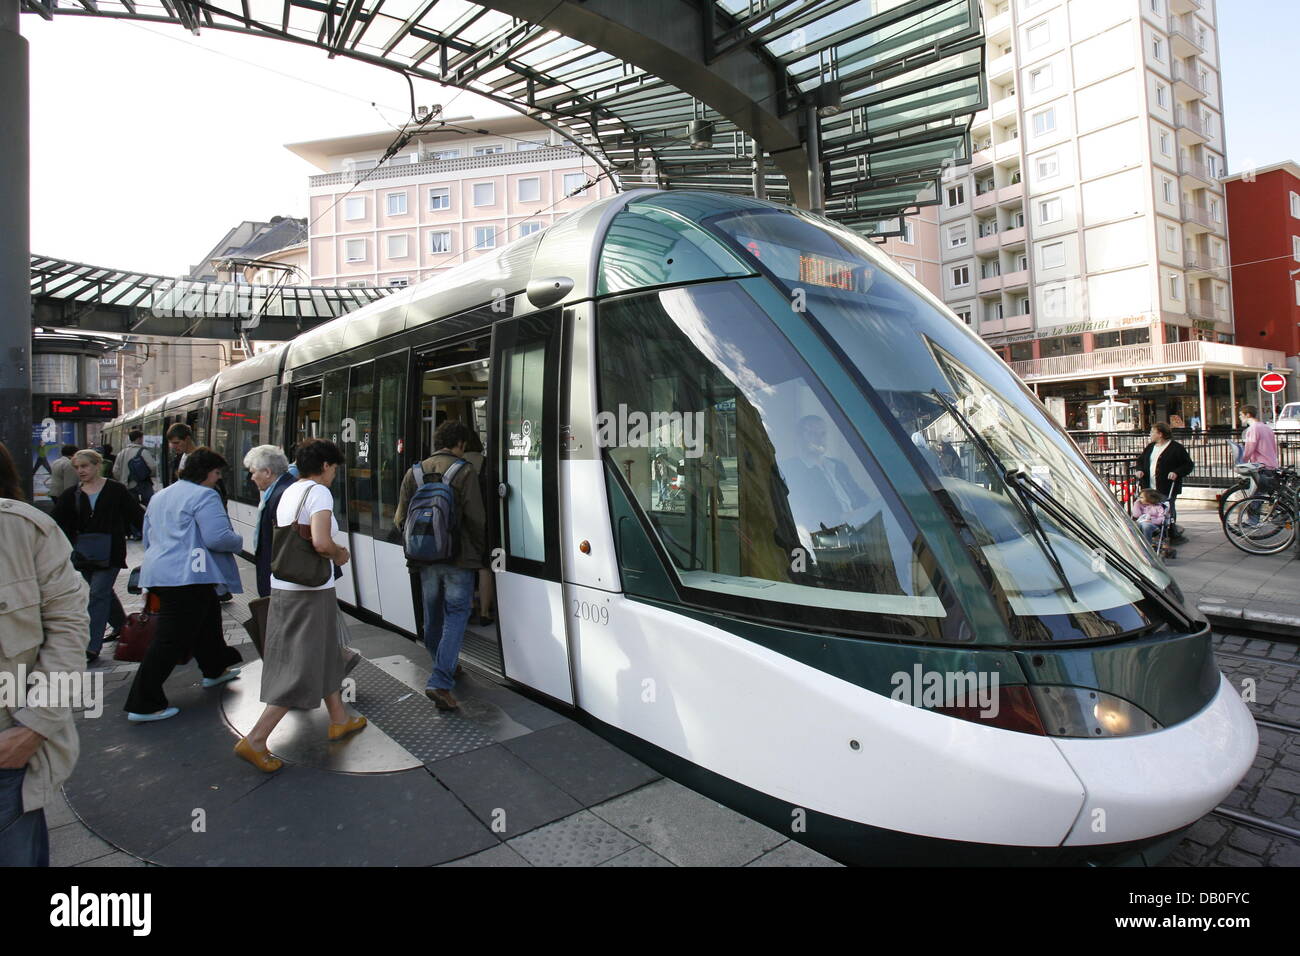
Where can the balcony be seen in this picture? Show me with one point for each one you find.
(1137, 358)
(985, 199)
(1198, 218)
(1010, 238)
(1020, 322)
(1206, 309)
(987, 244)
(1184, 36)
(1014, 192)
(998, 26)
(1007, 106)
(546, 154)
(1002, 66)
(1187, 82)
(1192, 128)
(982, 156)
(991, 285)
(1009, 149)
(1015, 279)
(1197, 261)
(1185, 6)
(1198, 173)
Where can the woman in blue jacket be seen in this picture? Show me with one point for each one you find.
(190, 548)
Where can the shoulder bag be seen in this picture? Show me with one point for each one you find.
(293, 558)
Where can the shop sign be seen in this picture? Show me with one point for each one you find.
(1166, 378)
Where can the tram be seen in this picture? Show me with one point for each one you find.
(765, 514)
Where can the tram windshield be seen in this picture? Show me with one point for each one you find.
(907, 349)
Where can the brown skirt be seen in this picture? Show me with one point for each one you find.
(301, 665)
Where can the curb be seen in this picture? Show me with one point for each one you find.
(1228, 617)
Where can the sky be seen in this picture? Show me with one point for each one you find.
(149, 143)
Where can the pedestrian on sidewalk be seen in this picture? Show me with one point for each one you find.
(45, 633)
(190, 549)
(301, 663)
(1259, 442)
(1149, 513)
(1163, 464)
(137, 476)
(448, 586)
(62, 473)
(97, 515)
(270, 471)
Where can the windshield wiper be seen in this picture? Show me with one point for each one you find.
(1019, 494)
(1061, 513)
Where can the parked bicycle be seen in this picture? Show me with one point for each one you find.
(1265, 523)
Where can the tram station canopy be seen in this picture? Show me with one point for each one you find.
(677, 94)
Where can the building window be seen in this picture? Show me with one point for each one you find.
(1295, 248)
(960, 276)
(1045, 121)
(1048, 166)
(528, 228)
(399, 282)
(489, 150)
(910, 268)
(1164, 143)
(1040, 79)
(440, 241)
(1214, 211)
(1297, 291)
(396, 204)
(1171, 238)
(1049, 210)
(1038, 35)
(530, 190)
(354, 207)
(1155, 6)
(525, 145)
(1053, 255)
(354, 250)
(397, 247)
(439, 154)
(1162, 94)
(573, 184)
(1166, 189)
(485, 194)
(1158, 48)
(956, 236)
(964, 314)
(1295, 205)
(1175, 286)
(956, 195)
(909, 234)
(439, 198)
(485, 237)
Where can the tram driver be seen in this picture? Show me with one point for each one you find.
(823, 492)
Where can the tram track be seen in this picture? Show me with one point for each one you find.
(1256, 657)
(1242, 818)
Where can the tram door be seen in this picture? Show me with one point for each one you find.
(334, 388)
(525, 415)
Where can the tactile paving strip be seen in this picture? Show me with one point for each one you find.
(412, 720)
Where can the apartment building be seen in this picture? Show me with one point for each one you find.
(450, 195)
(1087, 240)
(1264, 225)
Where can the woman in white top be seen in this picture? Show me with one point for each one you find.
(301, 664)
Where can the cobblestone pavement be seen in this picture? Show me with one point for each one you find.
(1271, 788)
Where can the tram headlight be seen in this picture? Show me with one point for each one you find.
(1086, 712)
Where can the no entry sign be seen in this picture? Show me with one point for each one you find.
(1272, 383)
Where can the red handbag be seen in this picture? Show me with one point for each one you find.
(138, 633)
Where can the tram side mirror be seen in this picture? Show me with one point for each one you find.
(543, 293)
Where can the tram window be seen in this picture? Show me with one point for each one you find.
(743, 465)
(390, 373)
(524, 368)
(358, 449)
(238, 430)
(648, 247)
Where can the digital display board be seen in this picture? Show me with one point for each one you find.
(83, 409)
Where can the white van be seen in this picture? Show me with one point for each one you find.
(1288, 419)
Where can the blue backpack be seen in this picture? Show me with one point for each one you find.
(139, 469)
(432, 517)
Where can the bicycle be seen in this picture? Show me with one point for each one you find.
(1266, 523)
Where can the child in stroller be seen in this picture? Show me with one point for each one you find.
(1151, 512)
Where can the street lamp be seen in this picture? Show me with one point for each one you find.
(700, 133)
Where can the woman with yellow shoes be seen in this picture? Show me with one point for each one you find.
(301, 663)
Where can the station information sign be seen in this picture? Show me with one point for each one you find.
(83, 409)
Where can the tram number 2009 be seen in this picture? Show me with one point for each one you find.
(585, 611)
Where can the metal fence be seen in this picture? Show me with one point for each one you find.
(1114, 456)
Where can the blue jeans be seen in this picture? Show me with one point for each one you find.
(104, 608)
(24, 839)
(448, 593)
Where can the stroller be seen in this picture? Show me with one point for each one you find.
(1166, 532)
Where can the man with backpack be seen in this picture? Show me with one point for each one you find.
(441, 517)
(135, 467)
